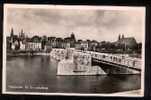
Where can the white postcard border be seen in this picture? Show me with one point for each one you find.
(71, 7)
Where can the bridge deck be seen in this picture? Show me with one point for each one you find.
(134, 63)
(112, 64)
(122, 60)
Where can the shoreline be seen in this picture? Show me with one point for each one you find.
(28, 54)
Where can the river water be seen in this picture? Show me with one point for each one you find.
(38, 74)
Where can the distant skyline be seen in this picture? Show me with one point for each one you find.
(100, 25)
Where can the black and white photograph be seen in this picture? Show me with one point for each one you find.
(73, 50)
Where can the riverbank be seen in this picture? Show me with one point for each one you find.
(41, 52)
(27, 53)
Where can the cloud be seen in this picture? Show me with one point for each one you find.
(86, 24)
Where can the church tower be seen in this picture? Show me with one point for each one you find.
(12, 32)
(12, 35)
(119, 37)
(73, 37)
(22, 35)
(122, 36)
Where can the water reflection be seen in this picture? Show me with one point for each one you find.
(41, 71)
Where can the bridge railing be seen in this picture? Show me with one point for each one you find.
(58, 54)
(118, 59)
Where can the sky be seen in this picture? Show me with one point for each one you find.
(100, 25)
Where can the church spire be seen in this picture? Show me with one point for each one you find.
(119, 37)
(12, 32)
(122, 36)
(22, 31)
(22, 34)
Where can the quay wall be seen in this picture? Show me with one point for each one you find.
(28, 54)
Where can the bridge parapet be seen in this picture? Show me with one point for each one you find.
(118, 59)
(136, 63)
